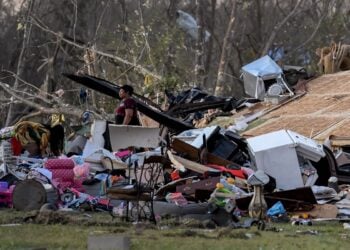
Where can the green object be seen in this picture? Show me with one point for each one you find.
(221, 201)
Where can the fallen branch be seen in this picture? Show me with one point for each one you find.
(62, 108)
(33, 114)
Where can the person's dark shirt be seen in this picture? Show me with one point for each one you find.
(128, 103)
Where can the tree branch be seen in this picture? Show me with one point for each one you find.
(20, 66)
(137, 67)
(225, 53)
(312, 35)
(61, 108)
(278, 27)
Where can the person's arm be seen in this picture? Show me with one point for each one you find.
(128, 116)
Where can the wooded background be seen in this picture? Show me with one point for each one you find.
(140, 42)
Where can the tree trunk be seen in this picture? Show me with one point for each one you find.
(225, 53)
(48, 85)
(210, 44)
(199, 64)
(90, 59)
(125, 20)
(171, 52)
(21, 58)
(321, 18)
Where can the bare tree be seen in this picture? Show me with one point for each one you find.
(90, 64)
(124, 15)
(142, 39)
(211, 28)
(171, 50)
(199, 69)
(323, 15)
(20, 65)
(136, 66)
(44, 103)
(277, 28)
(225, 53)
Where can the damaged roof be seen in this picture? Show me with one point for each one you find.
(323, 111)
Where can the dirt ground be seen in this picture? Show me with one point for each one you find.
(53, 230)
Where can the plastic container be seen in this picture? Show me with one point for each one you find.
(176, 198)
(233, 188)
(3, 185)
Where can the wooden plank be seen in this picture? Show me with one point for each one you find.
(194, 166)
(175, 163)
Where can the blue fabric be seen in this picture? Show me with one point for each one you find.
(276, 209)
(276, 53)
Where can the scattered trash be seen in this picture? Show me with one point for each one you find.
(11, 225)
(307, 232)
(301, 222)
(276, 209)
(189, 24)
(249, 235)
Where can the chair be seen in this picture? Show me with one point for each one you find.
(140, 197)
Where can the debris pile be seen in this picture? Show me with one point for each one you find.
(211, 174)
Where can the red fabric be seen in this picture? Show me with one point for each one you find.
(236, 173)
(16, 146)
(175, 175)
(122, 154)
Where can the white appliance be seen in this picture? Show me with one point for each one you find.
(278, 154)
(123, 136)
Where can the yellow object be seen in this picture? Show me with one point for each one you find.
(31, 132)
(148, 80)
(57, 119)
(230, 180)
(219, 185)
(305, 216)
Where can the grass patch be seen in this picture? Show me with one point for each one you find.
(73, 234)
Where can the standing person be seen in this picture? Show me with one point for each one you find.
(126, 113)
